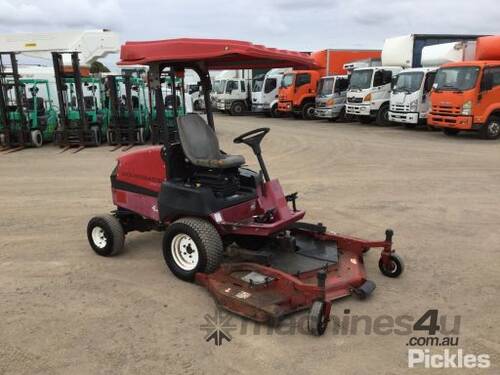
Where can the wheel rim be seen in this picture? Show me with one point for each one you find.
(184, 252)
(99, 237)
(494, 129)
(310, 112)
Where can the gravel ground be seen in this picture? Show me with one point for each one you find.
(64, 310)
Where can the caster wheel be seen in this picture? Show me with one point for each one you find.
(317, 321)
(394, 268)
(105, 235)
(365, 290)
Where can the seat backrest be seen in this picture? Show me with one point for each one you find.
(198, 140)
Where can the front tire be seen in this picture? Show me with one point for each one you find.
(237, 109)
(274, 111)
(317, 321)
(192, 245)
(394, 268)
(105, 234)
(383, 116)
(308, 111)
(36, 138)
(490, 130)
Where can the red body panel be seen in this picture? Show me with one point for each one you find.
(143, 168)
(215, 54)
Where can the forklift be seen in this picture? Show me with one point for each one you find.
(127, 104)
(82, 116)
(173, 98)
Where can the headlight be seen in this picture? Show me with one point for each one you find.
(330, 102)
(368, 98)
(414, 105)
(467, 108)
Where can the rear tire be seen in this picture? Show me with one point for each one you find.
(192, 245)
(490, 130)
(237, 109)
(36, 138)
(308, 111)
(383, 116)
(105, 234)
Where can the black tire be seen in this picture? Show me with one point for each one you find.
(383, 116)
(490, 130)
(317, 321)
(308, 111)
(395, 268)
(274, 111)
(365, 119)
(96, 135)
(450, 132)
(109, 228)
(36, 138)
(208, 247)
(237, 109)
(251, 242)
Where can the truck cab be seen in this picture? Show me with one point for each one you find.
(297, 93)
(466, 97)
(232, 96)
(369, 93)
(410, 96)
(331, 97)
(265, 93)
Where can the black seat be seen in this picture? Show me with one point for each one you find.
(200, 144)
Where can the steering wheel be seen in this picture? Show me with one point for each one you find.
(252, 138)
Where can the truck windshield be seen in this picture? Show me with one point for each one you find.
(325, 86)
(219, 86)
(456, 78)
(257, 85)
(287, 80)
(408, 82)
(361, 79)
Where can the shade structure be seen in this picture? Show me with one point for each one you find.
(215, 54)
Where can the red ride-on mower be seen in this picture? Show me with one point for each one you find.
(207, 202)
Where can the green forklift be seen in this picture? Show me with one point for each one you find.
(127, 103)
(175, 106)
(27, 116)
(83, 117)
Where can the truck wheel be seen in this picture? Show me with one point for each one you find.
(36, 138)
(383, 116)
(450, 132)
(308, 111)
(105, 235)
(490, 130)
(274, 111)
(192, 245)
(237, 109)
(365, 119)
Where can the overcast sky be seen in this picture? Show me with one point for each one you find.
(292, 24)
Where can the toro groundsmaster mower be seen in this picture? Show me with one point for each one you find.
(230, 229)
(128, 110)
(82, 116)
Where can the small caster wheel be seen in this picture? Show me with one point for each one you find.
(394, 268)
(365, 290)
(317, 321)
(105, 235)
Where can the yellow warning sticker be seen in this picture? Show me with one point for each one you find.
(30, 45)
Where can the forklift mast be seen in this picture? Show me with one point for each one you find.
(5, 84)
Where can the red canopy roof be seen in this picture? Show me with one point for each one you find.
(216, 53)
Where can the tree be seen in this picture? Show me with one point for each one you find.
(98, 67)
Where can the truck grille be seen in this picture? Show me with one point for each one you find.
(354, 100)
(446, 110)
(400, 108)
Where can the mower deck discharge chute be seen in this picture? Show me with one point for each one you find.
(230, 229)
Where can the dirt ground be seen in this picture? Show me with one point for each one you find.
(65, 310)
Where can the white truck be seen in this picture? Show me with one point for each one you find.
(265, 95)
(420, 55)
(369, 93)
(232, 91)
